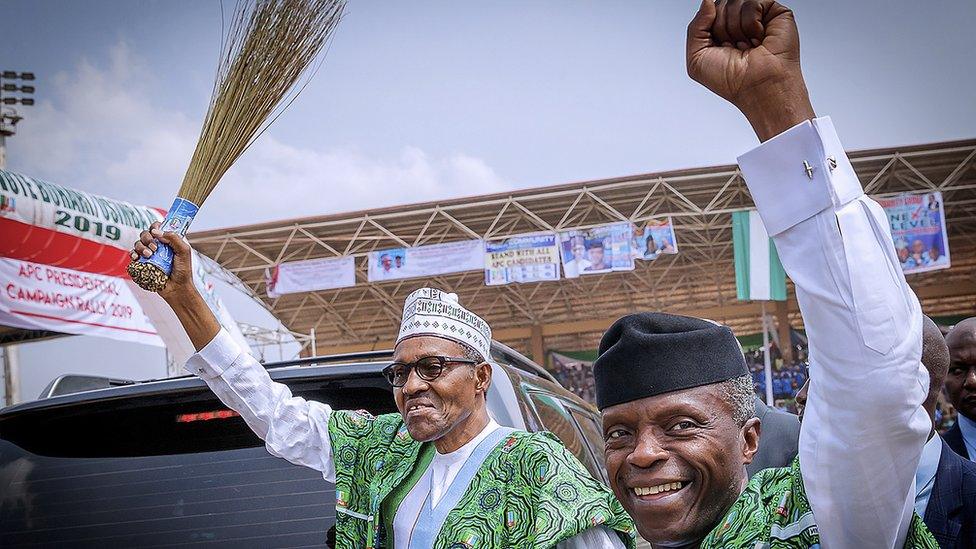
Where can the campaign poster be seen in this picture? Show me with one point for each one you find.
(424, 261)
(655, 239)
(918, 228)
(602, 249)
(530, 258)
(311, 275)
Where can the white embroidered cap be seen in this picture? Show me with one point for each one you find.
(431, 312)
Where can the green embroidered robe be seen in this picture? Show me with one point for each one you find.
(529, 493)
(773, 513)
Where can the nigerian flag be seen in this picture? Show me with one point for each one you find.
(758, 273)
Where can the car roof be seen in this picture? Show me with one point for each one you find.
(338, 366)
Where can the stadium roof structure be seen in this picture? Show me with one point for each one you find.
(571, 314)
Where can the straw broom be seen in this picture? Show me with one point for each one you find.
(270, 46)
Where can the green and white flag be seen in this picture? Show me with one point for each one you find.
(759, 275)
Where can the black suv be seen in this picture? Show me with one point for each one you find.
(165, 464)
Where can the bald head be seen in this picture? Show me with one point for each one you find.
(935, 358)
(960, 382)
(962, 335)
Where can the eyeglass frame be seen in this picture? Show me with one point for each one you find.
(442, 361)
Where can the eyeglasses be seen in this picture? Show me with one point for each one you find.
(428, 368)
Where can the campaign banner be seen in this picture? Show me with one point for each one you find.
(42, 297)
(308, 276)
(43, 222)
(422, 261)
(655, 239)
(529, 258)
(918, 228)
(598, 250)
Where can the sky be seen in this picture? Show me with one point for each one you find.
(427, 100)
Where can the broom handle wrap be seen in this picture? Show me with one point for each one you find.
(177, 220)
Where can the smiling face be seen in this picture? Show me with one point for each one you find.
(677, 461)
(438, 409)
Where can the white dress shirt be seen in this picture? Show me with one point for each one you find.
(298, 430)
(968, 429)
(864, 426)
(439, 475)
(928, 466)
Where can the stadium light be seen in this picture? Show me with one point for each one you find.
(9, 117)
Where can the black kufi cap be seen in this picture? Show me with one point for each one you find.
(649, 354)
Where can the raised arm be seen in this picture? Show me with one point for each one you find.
(864, 427)
(291, 427)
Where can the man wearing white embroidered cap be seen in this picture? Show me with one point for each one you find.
(441, 473)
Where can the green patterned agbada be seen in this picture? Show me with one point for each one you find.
(529, 493)
(773, 513)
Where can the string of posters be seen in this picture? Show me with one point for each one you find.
(540, 257)
(917, 226)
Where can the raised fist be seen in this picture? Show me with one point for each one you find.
(748, 52)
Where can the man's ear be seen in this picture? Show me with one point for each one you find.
(482, 375)
(751, 432)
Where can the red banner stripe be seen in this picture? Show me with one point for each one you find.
(41, 245)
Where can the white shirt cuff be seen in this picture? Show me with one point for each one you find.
(215, 357)
(798, 174)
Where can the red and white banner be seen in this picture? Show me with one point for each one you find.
(63, 259)
(46, 223)
(37, 296)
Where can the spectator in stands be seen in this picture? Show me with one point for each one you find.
(960, 386)
(945, 483)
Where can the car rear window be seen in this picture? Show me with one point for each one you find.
(163, 471)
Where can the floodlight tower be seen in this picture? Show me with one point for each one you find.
(8, 115)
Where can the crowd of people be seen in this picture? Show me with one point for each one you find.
(788, 377)
(577, 376)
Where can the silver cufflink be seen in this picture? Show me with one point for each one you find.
(832, 162)
(808, 168)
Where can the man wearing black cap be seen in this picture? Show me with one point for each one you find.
(675, 392)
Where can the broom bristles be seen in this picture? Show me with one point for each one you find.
(270, 46)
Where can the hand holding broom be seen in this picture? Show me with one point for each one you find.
(270, 46)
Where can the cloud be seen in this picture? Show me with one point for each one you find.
(105, 130)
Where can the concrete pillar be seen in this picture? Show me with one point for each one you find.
(538, 346)
(11, 375)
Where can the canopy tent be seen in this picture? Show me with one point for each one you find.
(572, 314)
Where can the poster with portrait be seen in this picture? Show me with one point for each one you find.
(918, 228)
(423, 261)
(528, 258)
(655, 239)
(598, 250)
